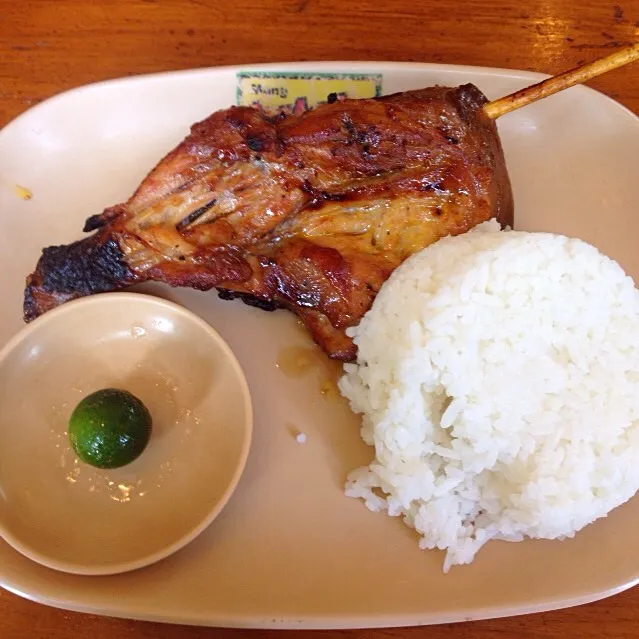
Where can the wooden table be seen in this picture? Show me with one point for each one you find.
(47, 46)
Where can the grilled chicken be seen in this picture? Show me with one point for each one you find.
(310, 213)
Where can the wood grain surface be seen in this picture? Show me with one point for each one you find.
(48, 46)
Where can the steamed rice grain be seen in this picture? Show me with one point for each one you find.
(497, 376)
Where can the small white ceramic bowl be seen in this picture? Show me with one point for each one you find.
(72, 517)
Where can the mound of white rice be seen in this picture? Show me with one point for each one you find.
(498, 377)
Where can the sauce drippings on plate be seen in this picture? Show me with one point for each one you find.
(299, 361)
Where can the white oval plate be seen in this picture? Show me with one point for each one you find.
(290, 550)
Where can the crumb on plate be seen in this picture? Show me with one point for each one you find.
(22, 192)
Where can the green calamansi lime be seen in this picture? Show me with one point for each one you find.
(110, 428)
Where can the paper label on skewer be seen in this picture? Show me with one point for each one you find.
(295, 92)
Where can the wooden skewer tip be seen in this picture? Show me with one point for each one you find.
(497, 108)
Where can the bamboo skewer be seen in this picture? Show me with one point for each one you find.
(497, 108)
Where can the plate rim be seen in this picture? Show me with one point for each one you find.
(327, 622)
(519, 74)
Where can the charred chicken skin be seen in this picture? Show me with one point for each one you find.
(310, 213)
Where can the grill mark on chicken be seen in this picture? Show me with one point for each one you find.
(192, 217)
(249, 300)
(95, 265)
(311, 213)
